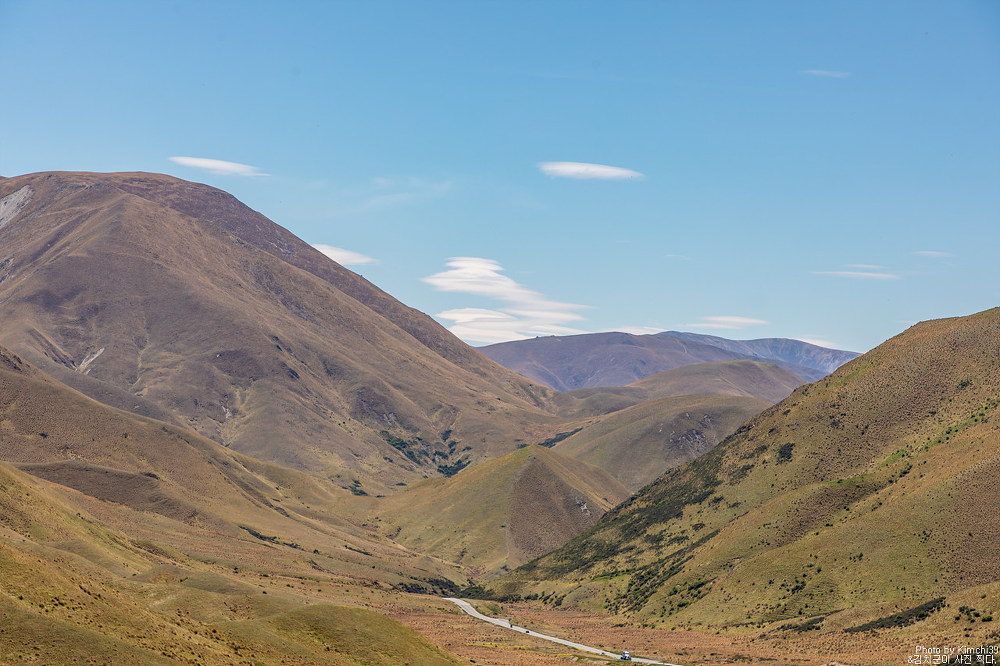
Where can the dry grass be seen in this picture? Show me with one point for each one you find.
(639, 443)
(214, 317)
(503, 512)
(858, 497)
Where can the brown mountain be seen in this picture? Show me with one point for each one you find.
(174, 300)
(750, 379)
(617, 359)
(599, 359)
(795, 353)
(503, 512)
(864, 502)
(639, 443)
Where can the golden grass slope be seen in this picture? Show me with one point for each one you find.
(67, 596)
(870, 493)
(751, 379)
(503, 512)
(639, 443)
(212, 558)
(181, 491)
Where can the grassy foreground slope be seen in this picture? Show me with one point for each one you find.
(76, 591)
(870, 493)
(159, 482)
(128, 540)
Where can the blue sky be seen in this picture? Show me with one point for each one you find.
(827, 171)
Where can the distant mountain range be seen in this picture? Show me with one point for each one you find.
(616, 359)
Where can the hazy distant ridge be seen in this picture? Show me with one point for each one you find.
(617, 359)
(800, 353)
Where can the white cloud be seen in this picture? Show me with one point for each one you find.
(524, 314)
(725, 322)
(583, 170)
(933, 253)
(636, 330)
(819, 342)
(830, 74)
(870, 267)
(342, 256)
(220, 167)
(859, 275)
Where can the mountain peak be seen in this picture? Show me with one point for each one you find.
(177, 294)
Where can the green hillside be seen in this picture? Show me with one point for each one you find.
(870, 493)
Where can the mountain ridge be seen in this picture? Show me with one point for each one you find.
(216, 317)
(618, 359)
(838, 504)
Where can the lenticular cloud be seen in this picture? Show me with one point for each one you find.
(584, 170)
(523, 313)
(220, 167)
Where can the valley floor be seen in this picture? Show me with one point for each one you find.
(481, 643)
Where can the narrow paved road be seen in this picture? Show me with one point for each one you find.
(467, 607)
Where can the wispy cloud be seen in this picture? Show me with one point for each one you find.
(859, 275)
(342, 256)
(730, 322)
(220, 167)
(936, 254)
(523, 314)
(583, 170)
(636, 330)
(828, 73)
(870, 267)
(819, 342)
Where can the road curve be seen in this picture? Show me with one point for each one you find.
(467, 607)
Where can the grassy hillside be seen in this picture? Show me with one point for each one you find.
(639, 443)
(174, 300)
(76, 591)
(129, 540)
(750, 379)
(145, 475)
(868, 494)
(503, 512)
